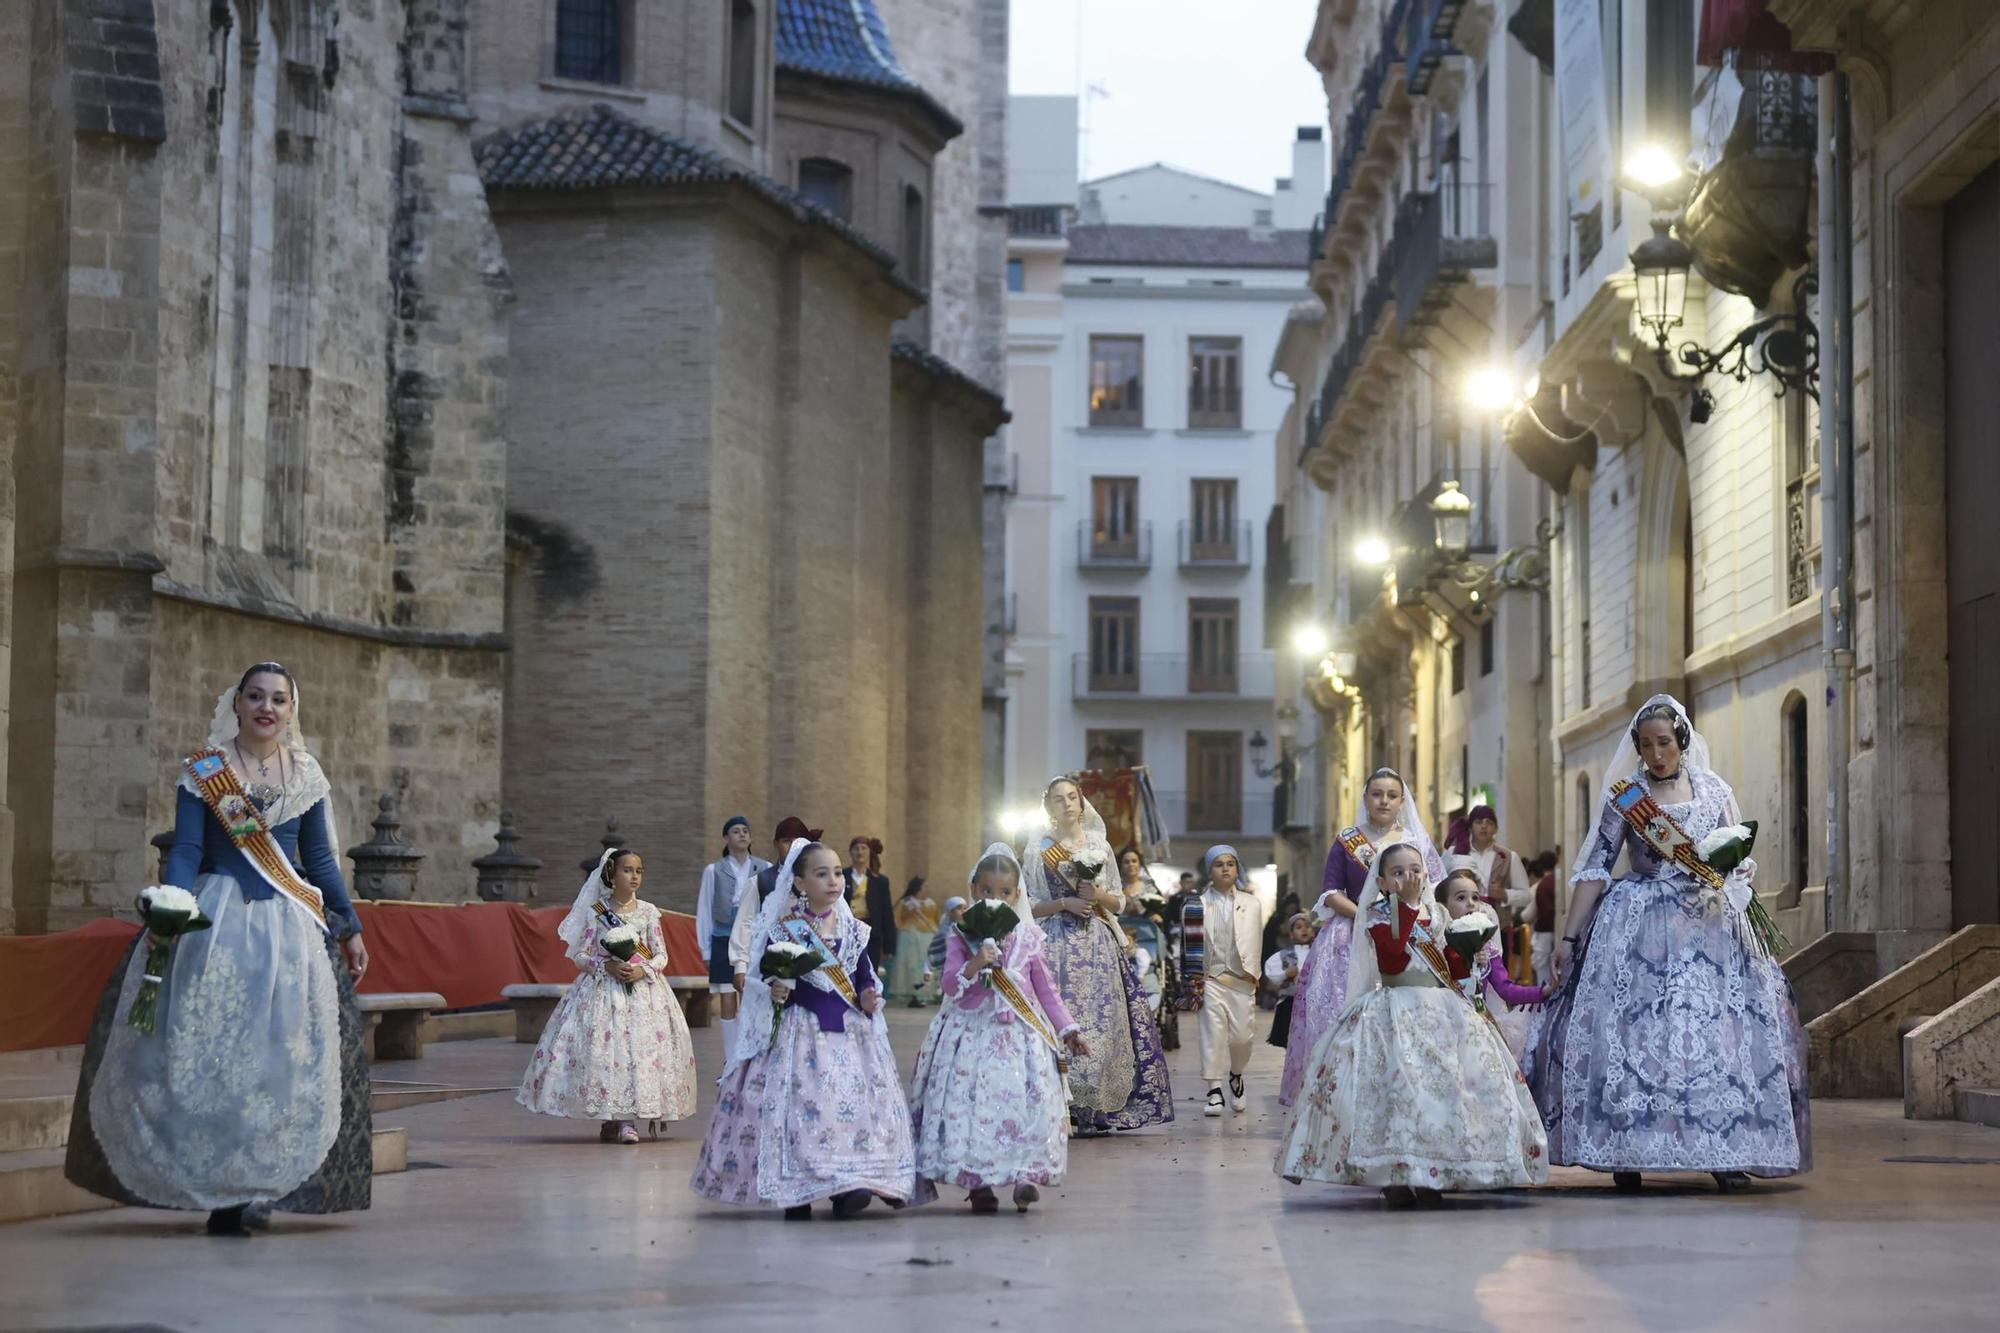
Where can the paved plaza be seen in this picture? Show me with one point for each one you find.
(513, 1221)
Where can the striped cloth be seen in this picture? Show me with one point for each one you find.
(1193, 951)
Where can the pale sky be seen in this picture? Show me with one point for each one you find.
(1216, 86)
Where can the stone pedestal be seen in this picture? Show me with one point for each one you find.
(385, 867)
(612, 838)
(506, 876)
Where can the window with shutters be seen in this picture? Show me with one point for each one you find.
(1213, 535)
(1215, 383)
(1114, 517)
(1117, 388)
(1215, 781)
(1212, 645)
(1114, 643)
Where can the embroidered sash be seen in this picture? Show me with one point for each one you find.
(1056, 859)
(223, 793)
(1004, 986)
(843, 985)
(1357, 845)
(611, 918)
(1661, 832)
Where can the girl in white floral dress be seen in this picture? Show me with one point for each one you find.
(616, 1049)
(989, 1105)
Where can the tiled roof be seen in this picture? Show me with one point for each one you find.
(598, 148)
(846, 40)
(931, 363)
(1187, 247)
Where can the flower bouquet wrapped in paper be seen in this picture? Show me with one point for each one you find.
(788, 961)
(169, 912)
(988, 921)
(621, 942)
(1467, 935)
(1086, 869)
(1727, 850)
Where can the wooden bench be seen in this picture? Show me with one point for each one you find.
(533, 1002)
(396, 1023)
(692, 992)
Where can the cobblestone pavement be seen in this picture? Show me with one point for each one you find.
(513, 1221)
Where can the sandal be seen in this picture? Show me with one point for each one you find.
(628, 1132)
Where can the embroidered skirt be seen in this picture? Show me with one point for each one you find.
(254, 1088)
(816, 1114)
(1411, 1087)
(612, 1054)
(1671, 1045)
(1122, 1083)
(988, 1103)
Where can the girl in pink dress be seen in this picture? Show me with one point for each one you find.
(989, 1105)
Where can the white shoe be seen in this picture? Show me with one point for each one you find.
(1214, 1106)
(1237, 1101)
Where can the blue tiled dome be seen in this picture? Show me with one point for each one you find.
(839, 39)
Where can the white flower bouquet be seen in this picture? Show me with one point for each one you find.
(786, 960)
(1468, 934)
(1727, 849)
(621, 942)
(168, 912)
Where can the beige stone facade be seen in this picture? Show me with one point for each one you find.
(610, 503)
(254, 335)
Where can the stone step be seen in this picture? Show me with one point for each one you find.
(32, 1184)
(1979, 1106)
(393, 1098)
(473, 1025)
(28, 1124)
(40, 1060)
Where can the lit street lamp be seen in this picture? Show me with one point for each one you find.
(1372, 551)
(1451, 512)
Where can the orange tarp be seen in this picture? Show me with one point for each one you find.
(49, 984)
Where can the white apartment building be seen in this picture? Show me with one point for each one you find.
(1142, 433)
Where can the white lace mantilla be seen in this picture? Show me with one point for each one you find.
(307, 788)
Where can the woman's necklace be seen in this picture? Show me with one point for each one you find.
(261, 792)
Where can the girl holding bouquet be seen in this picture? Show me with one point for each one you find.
(247, 1088)
(1411, 1089)
(616, 1049)
(1672, 1042)
(1069, 875)
(988, 1104)
(810, 1105)
(1482, 972)
(1388, 814)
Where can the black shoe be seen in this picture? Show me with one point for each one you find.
(228, 1222)
(800, 1212)
(1398, 1196)
(1236, 1102)
(257, 1216)
(1625, 1182)
(851, 1203)
(1427, 1198)
(1731, 1182)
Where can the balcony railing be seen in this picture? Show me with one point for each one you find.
(1039, 221)
(1368, 99)
(1442, 236)
(1211, 813)
(1155, 676)
(1429, 36)
(1130, 548)
(1220, 546)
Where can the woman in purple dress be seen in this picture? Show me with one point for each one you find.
(1388, 814)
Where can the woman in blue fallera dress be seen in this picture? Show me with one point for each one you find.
(252, 1091)
(1672, 1043)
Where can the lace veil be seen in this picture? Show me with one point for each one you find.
(575, 928)
(1410, 821)
(1027, 939)
(1364, 974)
(308, 786)
(754, 1016)
(1040, 884)
(1625, 758)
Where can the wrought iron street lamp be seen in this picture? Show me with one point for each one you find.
(1451, 512)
